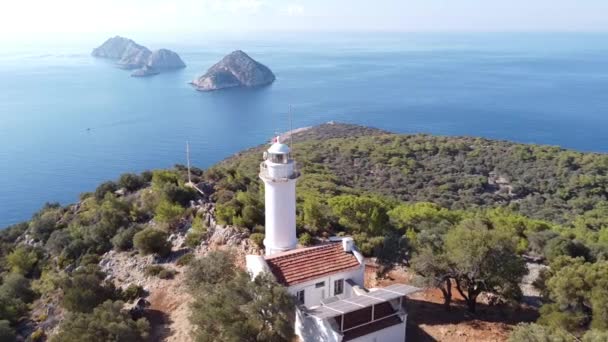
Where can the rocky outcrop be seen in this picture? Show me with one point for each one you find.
(235, 70)
(130, 55)
(164, 59)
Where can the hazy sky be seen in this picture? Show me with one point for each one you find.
(77, 18)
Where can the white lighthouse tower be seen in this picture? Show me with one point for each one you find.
(279, 174)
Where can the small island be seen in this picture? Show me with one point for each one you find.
(235, 70)
(130, 55)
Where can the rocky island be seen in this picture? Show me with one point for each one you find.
(235, 70)
(130, 55)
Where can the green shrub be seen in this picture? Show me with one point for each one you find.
(193, 239)
(85, 290)
(123, 240)
(38, 335)
(305, 239)
(57, 241)
(178, 194)
(167, 212)
(166, 274)
(104, 188)
(150, 240)
(214, 268)
(159, 271)
(22, 260)
(131, 182)
(107, 322)
(153, 270)
(532, 332)
(89, 259)
(161, 178)
(132, 292)
(184, 259)
(199, 225)
(6, 332)
(258, 239)
(17, 286)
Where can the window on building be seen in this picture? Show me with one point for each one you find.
(338, 287)
(300, 296)
(321, 284)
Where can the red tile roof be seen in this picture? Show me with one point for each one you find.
(306, 264)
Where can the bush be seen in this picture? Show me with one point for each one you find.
(108, 322)
(123, 240)
(305, 239)
(131, 182)
(193, 239)
(160, 178)
(185, 259)
(563, 246)
(532, 332)
(38, 335)
(6, 332)
(132, 292)
(258, 239)
(178, 194)
(167, 212)
(214, 268)
(104, 188)
(58, 240)
(153, 270)
(89, 259)
(17, 286)
(166, 274)
(22, 260)
(159, 271)
(44, 223)
(150, 240)
(84, 290)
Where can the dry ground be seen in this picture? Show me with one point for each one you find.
(429, 321)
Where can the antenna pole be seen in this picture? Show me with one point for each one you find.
(188, 161)
(290, 130)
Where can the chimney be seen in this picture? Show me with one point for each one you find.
(347, 244)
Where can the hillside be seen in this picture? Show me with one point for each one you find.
(134, 238)
(544, 182)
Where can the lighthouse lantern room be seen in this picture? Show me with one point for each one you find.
(279, 174)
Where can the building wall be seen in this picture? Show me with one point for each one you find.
(311, 329)
(314, 295)
(280, 204)
(396, 333)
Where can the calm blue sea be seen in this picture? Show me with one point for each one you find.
(536, 88)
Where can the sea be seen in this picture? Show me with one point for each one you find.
(69, 121)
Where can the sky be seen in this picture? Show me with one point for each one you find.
(72, 19)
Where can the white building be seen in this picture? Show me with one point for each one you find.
(326, 280)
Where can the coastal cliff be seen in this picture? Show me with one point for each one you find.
(130, 55)
(234, 70)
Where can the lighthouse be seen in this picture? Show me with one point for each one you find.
(279, 174)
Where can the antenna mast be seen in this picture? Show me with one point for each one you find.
(188, 161)
(290, 130)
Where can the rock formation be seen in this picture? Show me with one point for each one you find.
(235, 70)
(130, 55)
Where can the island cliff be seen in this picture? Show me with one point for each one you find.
(130, 55)
(235, 70)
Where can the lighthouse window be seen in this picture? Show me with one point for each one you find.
(279, 158)
(300, 296)
(338, 287)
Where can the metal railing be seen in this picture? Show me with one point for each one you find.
(265, 173)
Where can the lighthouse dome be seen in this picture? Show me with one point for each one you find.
(279, 148)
